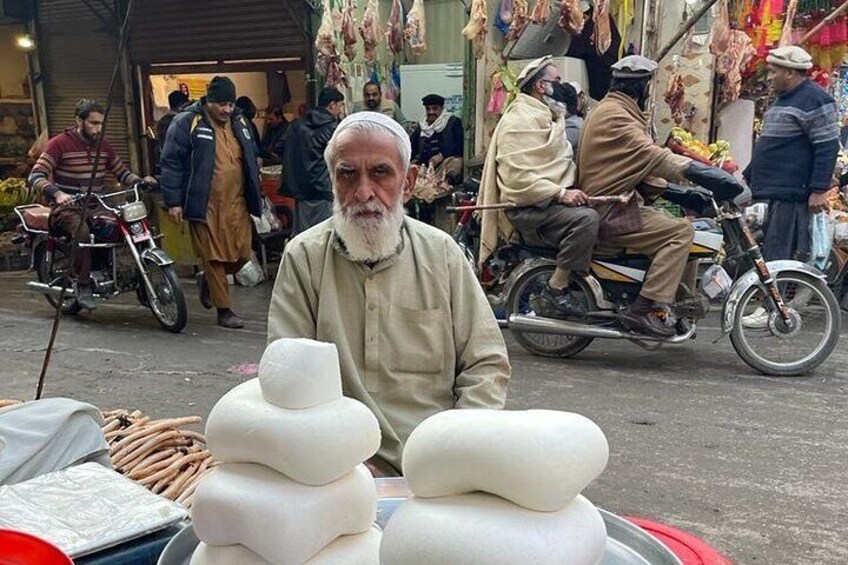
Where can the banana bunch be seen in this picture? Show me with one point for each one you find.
(714, 151)
(14, 192)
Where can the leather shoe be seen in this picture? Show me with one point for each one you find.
(658, 322)
(203, 290)
(553, 303)
(86, 299)
(229, 319)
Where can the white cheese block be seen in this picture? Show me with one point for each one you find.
(313, 446)
(225, 555)
(359, 549)
(282, 521)
(539, 459)
(300, 373)
(482, 529)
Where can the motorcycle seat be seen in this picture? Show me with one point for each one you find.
(36, 218)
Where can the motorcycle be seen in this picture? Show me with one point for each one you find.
(125, 258)
(796, 336)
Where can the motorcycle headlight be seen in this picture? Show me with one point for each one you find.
(134, 211)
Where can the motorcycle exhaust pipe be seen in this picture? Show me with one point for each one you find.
(53, 291)
(554, 326)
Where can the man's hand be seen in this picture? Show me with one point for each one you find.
(818, 202)
(176, 214)
(62, 198)
(437, 160)
(151, 181)
(574, 197)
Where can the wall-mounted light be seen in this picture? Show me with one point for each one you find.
(25, 42)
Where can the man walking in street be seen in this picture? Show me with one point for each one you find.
(305, 175)
(210, 177)
(64, 170)
(530, 164)
(414, 331)
(177, 100)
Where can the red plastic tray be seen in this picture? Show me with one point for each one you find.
(688, 548)
(19, 548)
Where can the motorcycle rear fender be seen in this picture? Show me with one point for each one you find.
(751, 278)
(156, 256)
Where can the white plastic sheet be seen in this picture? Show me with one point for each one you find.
(85, 509)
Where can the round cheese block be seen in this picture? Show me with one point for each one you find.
(313, 446)
(300, 373)
(539, 459)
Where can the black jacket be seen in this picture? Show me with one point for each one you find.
(305, 174)
(188, 162)
(449, 142)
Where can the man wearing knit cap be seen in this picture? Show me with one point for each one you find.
(414, 331)
(530, 164)
(793, 160)
(210, 177)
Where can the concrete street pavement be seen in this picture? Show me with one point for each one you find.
(752, 464)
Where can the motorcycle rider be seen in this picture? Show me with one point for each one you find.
(530, 164)
(64, 170)
(617, 157)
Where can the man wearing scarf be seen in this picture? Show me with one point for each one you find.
(438, 140)
(530, 164)
(414, 331)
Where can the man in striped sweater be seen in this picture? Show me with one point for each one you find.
(64, 171)
(794, 159)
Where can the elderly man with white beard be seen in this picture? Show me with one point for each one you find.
(414, 331)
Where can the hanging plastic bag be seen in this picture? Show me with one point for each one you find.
(269, 214)
(822, 229)
(251, 273)
(261, 224)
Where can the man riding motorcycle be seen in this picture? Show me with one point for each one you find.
(64, 171)
(530, 165)
(618, 157)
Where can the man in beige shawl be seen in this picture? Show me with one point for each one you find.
(618, 156)
(530, 164)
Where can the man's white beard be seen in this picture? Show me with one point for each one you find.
(369, 239)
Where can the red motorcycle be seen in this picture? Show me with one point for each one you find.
(125, 258)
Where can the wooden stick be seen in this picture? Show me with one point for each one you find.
(832, 16)
(504, 206)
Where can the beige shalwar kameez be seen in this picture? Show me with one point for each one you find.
(415, 333)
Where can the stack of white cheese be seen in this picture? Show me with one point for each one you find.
(292, 488)
(499, 488)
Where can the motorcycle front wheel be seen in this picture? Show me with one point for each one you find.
(169, 308)
(545, 345)
(765, 342)
(53, 273)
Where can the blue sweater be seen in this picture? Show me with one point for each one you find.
(796, 152)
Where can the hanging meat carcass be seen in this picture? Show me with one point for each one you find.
(571, 17)
(348, 31)
(395, 32)
(602, 35)
(675, 97)
(325, 41)
(720, 30)
(416, 31)
(520, 11)
(541, 12)
(370, 30)
(476, 28)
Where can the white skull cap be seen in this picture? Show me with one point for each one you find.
(383, 120)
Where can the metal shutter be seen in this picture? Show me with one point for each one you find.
(77, 50)
(165, 31)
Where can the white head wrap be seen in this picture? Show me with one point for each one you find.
(371, 121)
